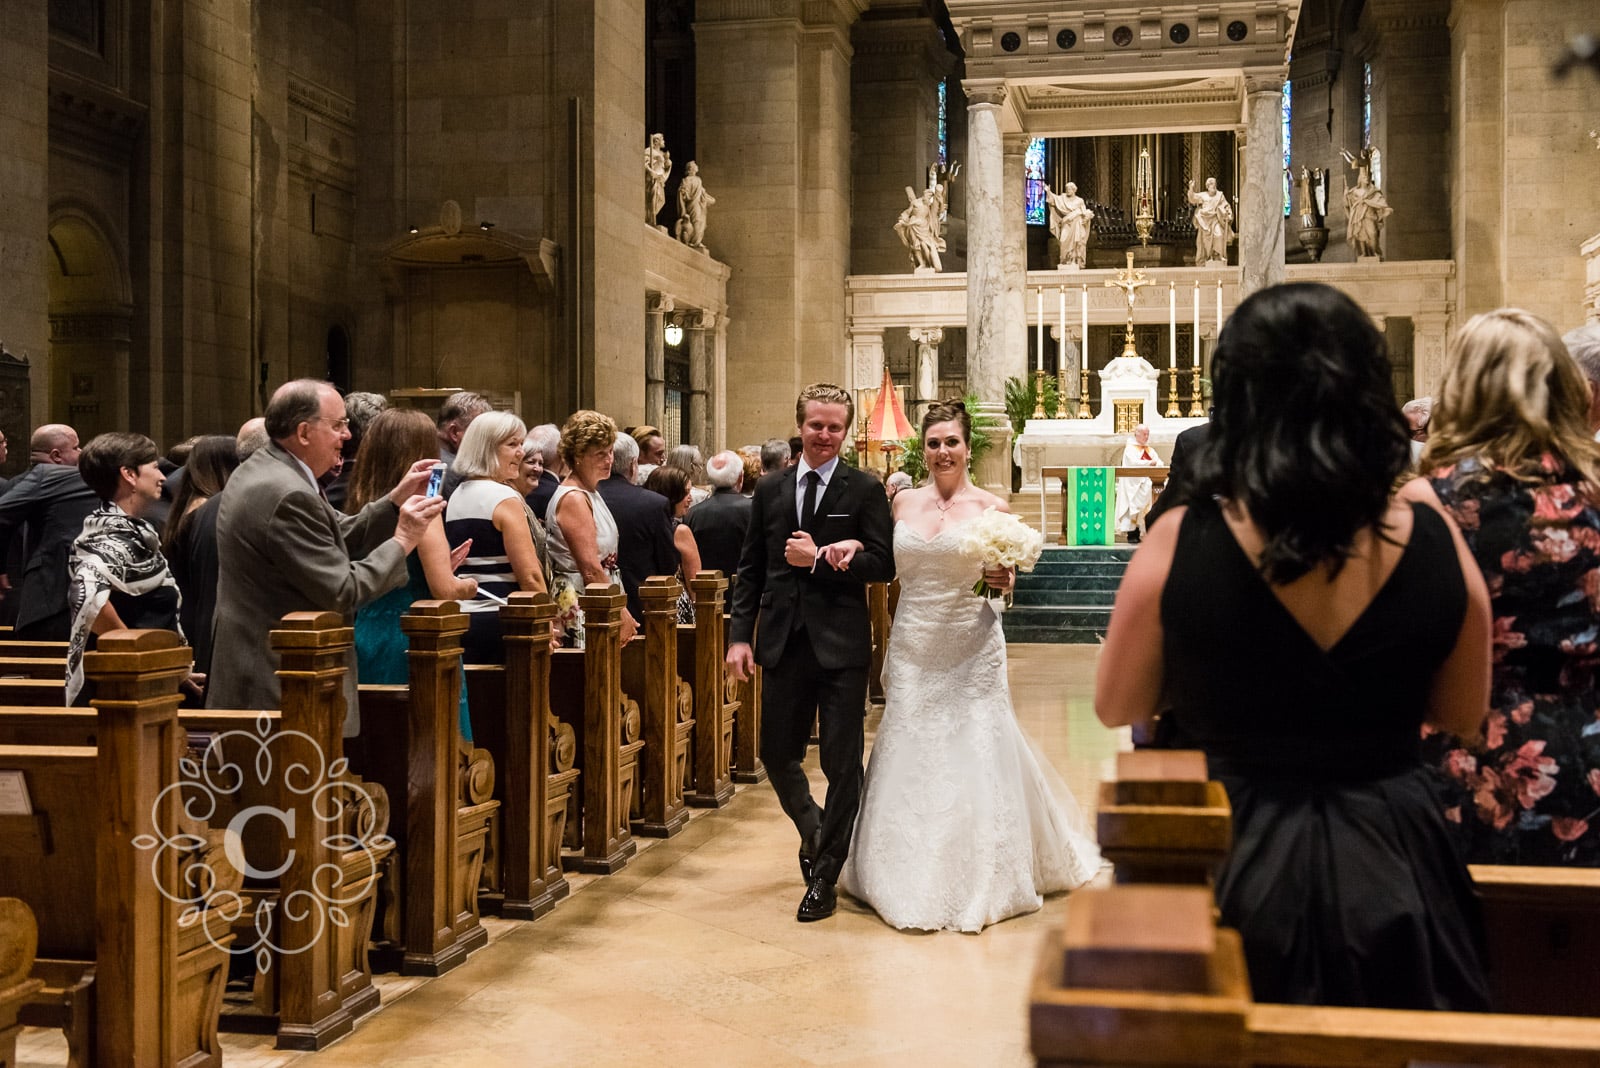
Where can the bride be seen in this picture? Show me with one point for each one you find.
(958, 828)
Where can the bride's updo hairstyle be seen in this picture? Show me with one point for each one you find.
(952, 411)
(1307, 434)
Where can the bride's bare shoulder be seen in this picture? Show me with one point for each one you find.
(991, 500)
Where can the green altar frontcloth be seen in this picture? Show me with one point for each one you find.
(1091, 505)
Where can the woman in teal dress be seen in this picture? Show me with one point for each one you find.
(394, 441)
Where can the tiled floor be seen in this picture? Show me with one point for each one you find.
(692, 954)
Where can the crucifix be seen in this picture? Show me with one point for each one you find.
(1130, 281)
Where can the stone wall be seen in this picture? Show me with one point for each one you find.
(24, 207)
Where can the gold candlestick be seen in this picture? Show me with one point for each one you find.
(1196, 410)
(1083, 392)
(1038, 393)
(1172, 393)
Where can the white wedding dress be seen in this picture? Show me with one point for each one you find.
(958, 827)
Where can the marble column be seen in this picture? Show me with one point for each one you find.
(1261, 205)
(927, 370)
(700, 327)
(986, 279)
(1430, 339)
(866, 357)
(657, 307)
(719, 384)
(1014, 352)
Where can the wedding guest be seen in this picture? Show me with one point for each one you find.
(719, 522)
(118, 576)
(45, 508)
(1302, 623)
(1512, 458)
(1417, 413)
(896, 482)
(673, 485)
(529, 474)
(545, 439)
(686, 458)
(644, 529)
(189, 541)
(794, 451)
(361, 409)
(488, 513)
(583, 533)
(652, 446)
(751, 455)
(1584, 344)
(455, 416)
(775, 455)
(393, 442)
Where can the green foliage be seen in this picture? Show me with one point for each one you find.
(914, 461)
(1021, 395)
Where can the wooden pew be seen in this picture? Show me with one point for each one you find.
(1140, 975)
(747, 766)
(1167, 824)
(586, 695)
(19, 942)
(878, 611)
(157, 976)
(33, 667)
(715, 715)
(652, 674)
(55, 650)
(533, 758)
(411, 744)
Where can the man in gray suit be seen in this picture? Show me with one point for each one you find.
(282, 548)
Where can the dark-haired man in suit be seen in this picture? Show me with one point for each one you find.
(814, 640)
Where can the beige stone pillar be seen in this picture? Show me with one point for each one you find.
(1260, 220)
(657, 307)
(1014, 351)
(700, 328)
(986, 274)
(1430, 340)
(24, 202)
(719, 383)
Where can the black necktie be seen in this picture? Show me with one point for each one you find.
(808, 509)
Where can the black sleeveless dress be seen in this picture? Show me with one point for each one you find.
(1342, 879)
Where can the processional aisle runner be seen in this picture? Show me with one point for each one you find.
(1091, 497)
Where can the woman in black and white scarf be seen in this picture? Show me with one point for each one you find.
(119, 576)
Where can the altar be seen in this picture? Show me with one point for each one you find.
(1128, 398)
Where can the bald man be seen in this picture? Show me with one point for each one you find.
(45, 507)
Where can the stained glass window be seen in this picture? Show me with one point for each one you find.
(1033, 172)
(1288, 93)
(1366, 104)
(944, 131)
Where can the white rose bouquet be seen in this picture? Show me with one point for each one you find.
(1000, 539)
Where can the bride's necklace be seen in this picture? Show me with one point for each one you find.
(945, 505)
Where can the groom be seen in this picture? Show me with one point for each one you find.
(815, 637)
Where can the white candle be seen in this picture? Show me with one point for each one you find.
(1197, 324)
(1039, 355)
(1219, 307)
(1083, 352)
(1061, 342)
(1172, 324)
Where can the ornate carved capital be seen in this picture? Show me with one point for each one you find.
(990, 92)
(701, 320)
(1014, 144)
(932, 335)
(659, 303)
(1264, 79)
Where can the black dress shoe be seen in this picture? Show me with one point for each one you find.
(819, 902)
(808, 854)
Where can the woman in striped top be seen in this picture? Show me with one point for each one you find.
(486, 509)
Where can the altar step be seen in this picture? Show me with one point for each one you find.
(1067, 598)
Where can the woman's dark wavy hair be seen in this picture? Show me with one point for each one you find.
(1307, 434)
(211, 462)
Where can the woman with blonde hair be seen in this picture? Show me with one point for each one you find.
(486, 511)
(1511, 458)
(582, 531)
(394, 440)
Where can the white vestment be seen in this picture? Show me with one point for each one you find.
(1134, 494)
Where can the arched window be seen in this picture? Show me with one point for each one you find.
(944, 130)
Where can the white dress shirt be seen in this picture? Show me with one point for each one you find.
(824, 474)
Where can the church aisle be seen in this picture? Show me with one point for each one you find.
(691, 954)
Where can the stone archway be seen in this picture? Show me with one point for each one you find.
(91, 313)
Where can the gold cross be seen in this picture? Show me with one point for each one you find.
(1129, 280)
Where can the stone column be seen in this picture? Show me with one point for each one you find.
(1430, 338)
(1014, 352)
(986, 278)
(657, 307)
(719, 383)
(700, 327)
(926, 389)
(1260, 220)
(866, 357)
(25, 205)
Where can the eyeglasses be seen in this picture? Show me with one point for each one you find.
(337, 424)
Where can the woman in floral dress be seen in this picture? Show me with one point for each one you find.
(1511, 458)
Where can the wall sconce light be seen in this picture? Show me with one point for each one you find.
(673, 333)
(486, 226)
(411, 229)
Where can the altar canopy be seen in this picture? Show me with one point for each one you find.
(1091, 498)
(887, 421)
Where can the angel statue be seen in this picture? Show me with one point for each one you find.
(941, 197)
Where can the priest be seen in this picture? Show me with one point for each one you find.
(1134, 494)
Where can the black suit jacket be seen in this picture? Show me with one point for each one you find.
(1179, 468)
(832, 604)
(719, 524)
(539, 499)
(52, 500)
(644, 536)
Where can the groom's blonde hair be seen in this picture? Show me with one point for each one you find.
(825, 393)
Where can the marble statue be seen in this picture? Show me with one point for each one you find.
(940, 190)
(1069, 221)
(657, 165)
(1213, 224)
(693, 200)
(1312, 196)
(1365, 207)
(917, 229)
